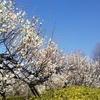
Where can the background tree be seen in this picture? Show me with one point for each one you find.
(79, 70)
(96, 57)
(96, 53)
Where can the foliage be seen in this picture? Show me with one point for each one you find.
(71, 93)
(22, 97)
(16, 98)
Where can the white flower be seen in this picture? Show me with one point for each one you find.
(8, 81)
(5, 78)
(1, 78)
(19, 13)
(16, 8)
(31, 76)
(4, 2)
(12, 75)
(1, 11)
(24, 13)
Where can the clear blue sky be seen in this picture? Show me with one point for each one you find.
(80, 18)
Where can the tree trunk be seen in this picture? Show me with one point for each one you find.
(3, 96)
(34, 90)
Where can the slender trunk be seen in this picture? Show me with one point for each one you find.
(3, 96)
(34, 90)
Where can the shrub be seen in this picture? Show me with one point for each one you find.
(16, 98)
(71, 93)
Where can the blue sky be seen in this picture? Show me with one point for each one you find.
(80, 18)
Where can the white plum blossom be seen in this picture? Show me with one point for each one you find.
(79, 70)
(26, 55)
(6, 82)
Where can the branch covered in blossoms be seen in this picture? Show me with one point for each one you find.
(25, 53)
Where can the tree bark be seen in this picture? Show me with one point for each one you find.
(34, 90)
(3, 96)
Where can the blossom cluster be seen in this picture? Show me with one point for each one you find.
(78, 71)
(26, 56)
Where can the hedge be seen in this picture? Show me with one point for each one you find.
(71, 93)
(15, 98)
